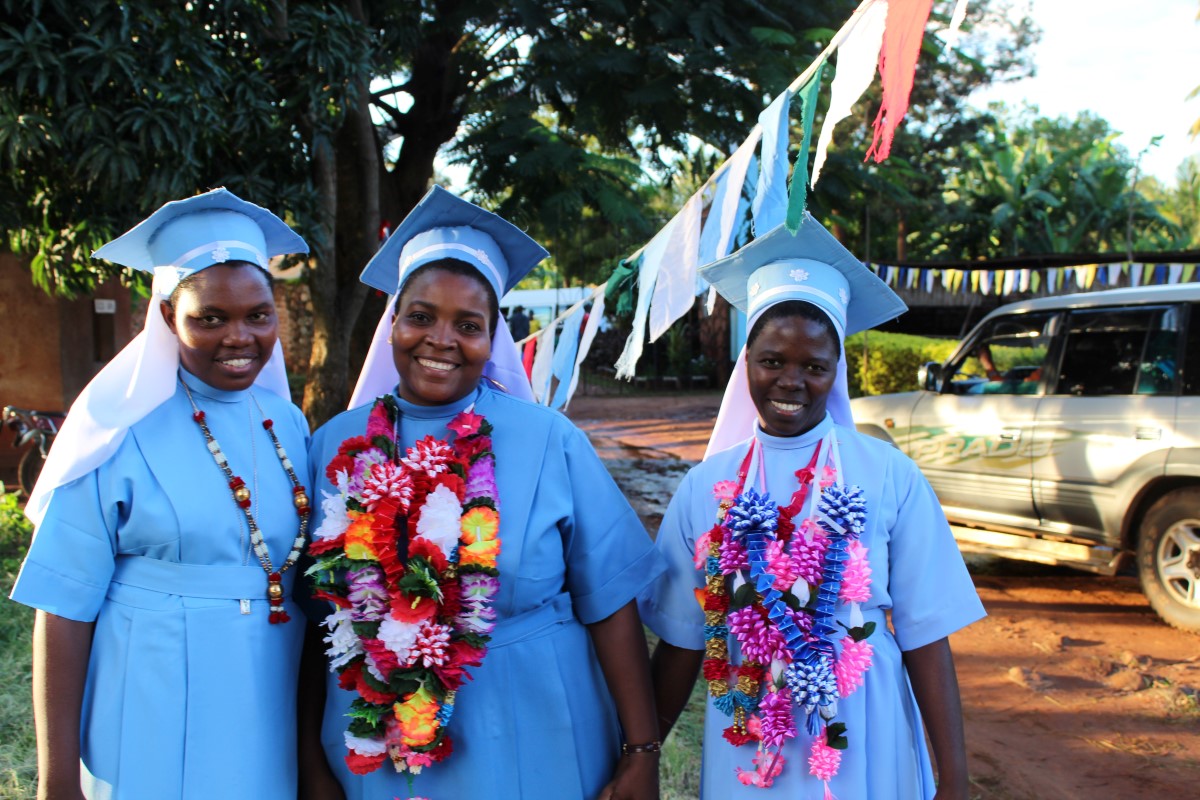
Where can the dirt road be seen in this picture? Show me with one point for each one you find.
(1072, 687)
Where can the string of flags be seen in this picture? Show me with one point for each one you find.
(756, 187)
(1050, 280)
(881, 35)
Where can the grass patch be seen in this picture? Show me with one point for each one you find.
(679, 767)
(18, 756)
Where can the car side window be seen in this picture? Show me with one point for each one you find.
(1191, 364)
(1008, 356)
(1120, 352)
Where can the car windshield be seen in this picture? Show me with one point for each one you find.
(1007, 357)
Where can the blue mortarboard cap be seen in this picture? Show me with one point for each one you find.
(186, 236)
(443, 225)
(811, 266)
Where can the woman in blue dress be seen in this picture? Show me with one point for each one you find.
(812, 579)
(168, 516)
(470, 657)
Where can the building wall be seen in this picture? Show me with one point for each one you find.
(51, 347)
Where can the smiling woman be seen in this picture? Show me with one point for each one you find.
(169, 514)
(469, 533)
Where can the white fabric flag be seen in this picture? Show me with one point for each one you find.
(1176, 272)
(652, 257)
(857, 58)
(716, 239)
(956, 21)
(585, 342)
(1135, 274)
(1010, 277)
(675, 289)
(543, 360)
(1114, 274)
(1026, 274)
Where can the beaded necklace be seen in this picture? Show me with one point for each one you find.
(241, 496)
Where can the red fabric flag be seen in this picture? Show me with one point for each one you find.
(897, 63)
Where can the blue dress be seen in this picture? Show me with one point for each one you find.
(919, 581)
(537, 719)
(186, 696)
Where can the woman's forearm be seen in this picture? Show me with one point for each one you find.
(621, 649)
(61, 648)
(935, 685)
(673, 670)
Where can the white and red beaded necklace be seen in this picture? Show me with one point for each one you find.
(241, 496)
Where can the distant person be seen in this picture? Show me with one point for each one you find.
(518, 323)
(169, 515)
(831, 581)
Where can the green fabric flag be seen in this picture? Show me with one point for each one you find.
(621, 290)
(798, 189)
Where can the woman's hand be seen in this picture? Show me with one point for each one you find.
(636, 778)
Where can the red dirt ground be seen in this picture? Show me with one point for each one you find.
(1072, 687)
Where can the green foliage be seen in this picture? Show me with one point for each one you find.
(15, 532)
(108, 110)
(18, 759)
(882, 363)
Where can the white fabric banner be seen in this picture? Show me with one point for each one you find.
(585, 343)
(857, 58)
(675, 289)
(543, 360)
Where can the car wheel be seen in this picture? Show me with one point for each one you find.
(1168, 558)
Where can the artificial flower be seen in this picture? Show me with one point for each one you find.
(367, 594)
(439, 522)
(344, 644)
(466, 423)
(855, 659)
(399, 637)
(823, 760)
(480, 545)
(360, 539)
(417, 715)
(856, 576)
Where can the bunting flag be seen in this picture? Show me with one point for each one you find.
(770, 201)
(539, 380)
(798, 194)
(652, 258)
(716, 239)
(585, 343)
(856, 60)
(563, 364)
(897, 65)
(956, 20)
(675, 289)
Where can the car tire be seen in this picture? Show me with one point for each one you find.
(1168, 558)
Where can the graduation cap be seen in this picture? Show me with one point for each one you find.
(443, 225)
(185, 236)
(811, 266)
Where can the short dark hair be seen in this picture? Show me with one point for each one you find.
(795, 308)
(464, 270)
(187, 282)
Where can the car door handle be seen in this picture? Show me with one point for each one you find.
(1010, 434)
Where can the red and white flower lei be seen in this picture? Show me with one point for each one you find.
(407, 554)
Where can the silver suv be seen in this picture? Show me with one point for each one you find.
(1065, 430)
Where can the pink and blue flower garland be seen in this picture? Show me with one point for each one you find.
(785, 631)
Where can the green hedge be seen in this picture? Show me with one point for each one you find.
(882, 363)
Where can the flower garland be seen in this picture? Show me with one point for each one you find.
(241, 496)
(774, 586)
(407, 554)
